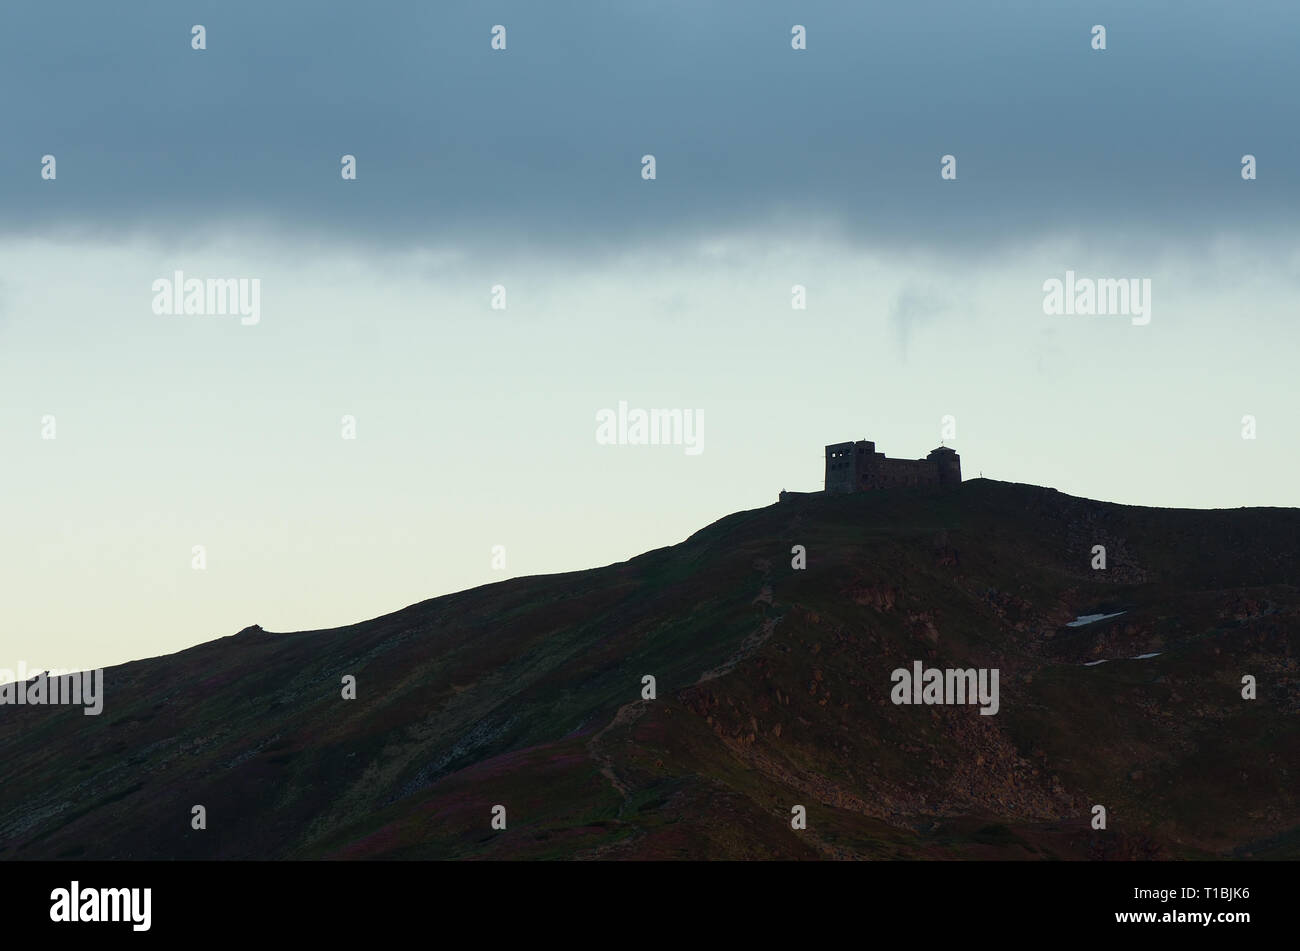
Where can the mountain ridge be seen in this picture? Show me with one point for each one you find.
(773, 690)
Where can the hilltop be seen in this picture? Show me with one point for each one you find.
(773, 690)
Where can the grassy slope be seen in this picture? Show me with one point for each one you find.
(773, 689)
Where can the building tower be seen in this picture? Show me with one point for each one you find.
(948, 464)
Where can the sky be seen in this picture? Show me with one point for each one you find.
(128, 436)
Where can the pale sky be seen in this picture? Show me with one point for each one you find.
(475, 427)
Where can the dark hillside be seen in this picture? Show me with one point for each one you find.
(773, 690)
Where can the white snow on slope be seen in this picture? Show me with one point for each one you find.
(1083, 619)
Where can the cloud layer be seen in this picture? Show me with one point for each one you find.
(541, 143)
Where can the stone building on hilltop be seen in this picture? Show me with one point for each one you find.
(857, 467)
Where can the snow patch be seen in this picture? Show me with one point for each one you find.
(1083, 619)
(1094, 663)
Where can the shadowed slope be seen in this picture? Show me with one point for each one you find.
(773, 690)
